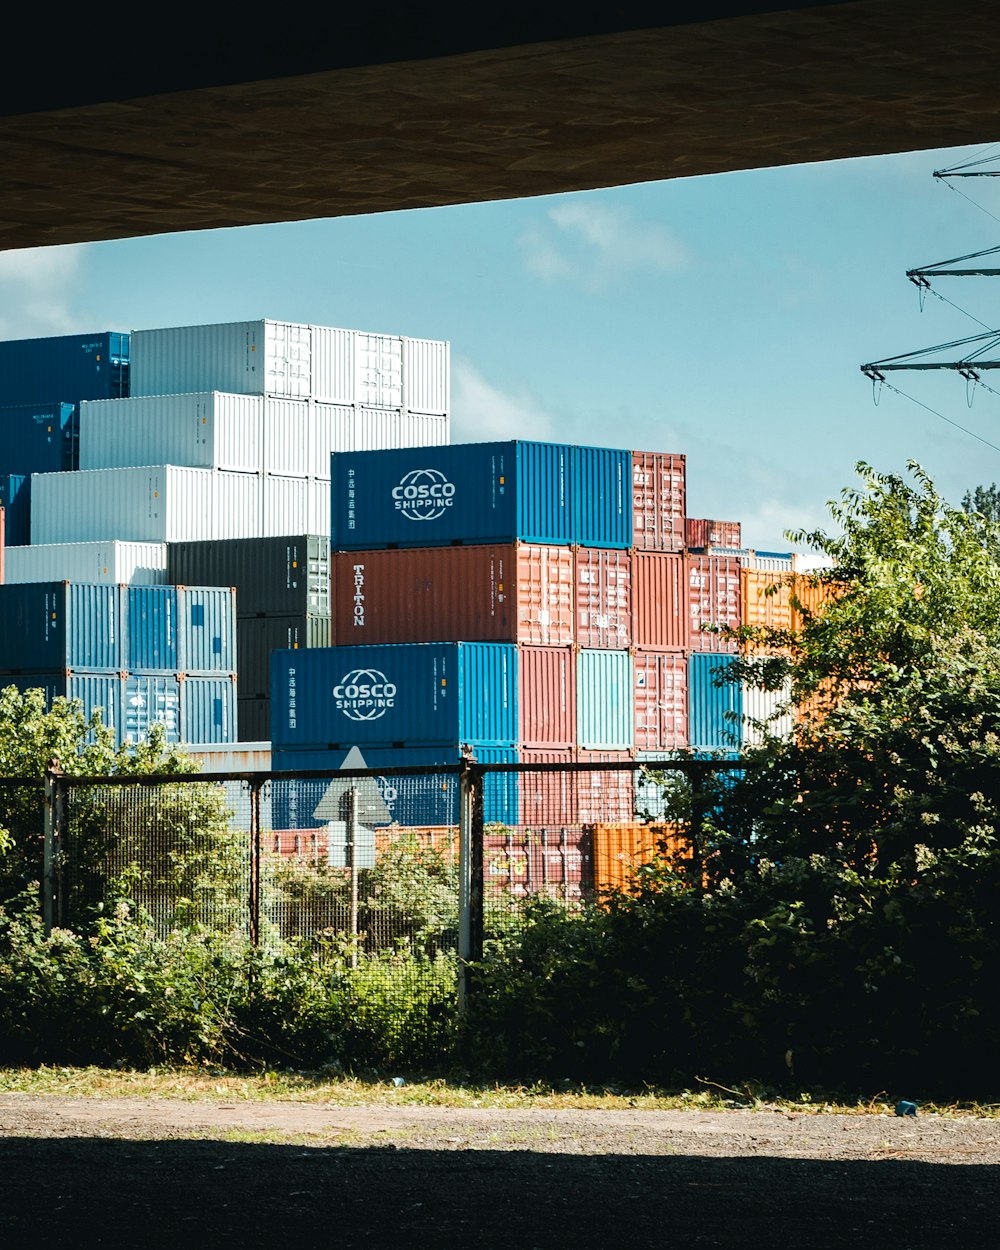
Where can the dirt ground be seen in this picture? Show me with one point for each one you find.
(159, 1172)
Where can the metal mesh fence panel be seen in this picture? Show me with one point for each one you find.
(180, 850)
(364, 866)
(371, 861)
(573, 832)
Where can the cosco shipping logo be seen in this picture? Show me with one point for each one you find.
(423, 494)
(364, 694)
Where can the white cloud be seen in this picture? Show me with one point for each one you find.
(36, 290)
(600, 243)
(481, 412)
(764, 524)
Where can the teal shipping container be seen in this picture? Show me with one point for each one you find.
(15, 499)
(53, 626)
(206, 618)
(190, 629)
(151, 619)
(604, 700)
(715, 705)
(208, 708)
(148, 699)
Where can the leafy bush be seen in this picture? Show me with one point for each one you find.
(845, 930)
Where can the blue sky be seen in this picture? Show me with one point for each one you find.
(725, 317)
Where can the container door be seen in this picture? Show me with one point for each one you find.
(378, 370)
(288, 369)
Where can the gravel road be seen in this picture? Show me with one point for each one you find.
(160, 1172)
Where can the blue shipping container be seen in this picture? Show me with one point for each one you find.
(39, 438)
(148, 699)
(208, 708)
(715, 711)
(463, 493)
(206, 618)
(151, 628)
(601, 484)
(431, 799)
(70, 367)
(412, 694)
(97, 692)
(15, 499)
(60, 625)
(653, 791)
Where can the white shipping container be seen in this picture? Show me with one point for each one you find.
(287, 359)
(243, 433)
(773, 563)
(333, 364)
(210, 430)
(293, 361)
(171, 503)
(160, 503)
(289, 439)
(294, 505)
(765, 705)
(389, 427)
(184, 359)
(141, 564)
(427, 376)
(378, 370)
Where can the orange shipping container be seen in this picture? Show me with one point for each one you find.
(519, 592)
(812, 596)
(659, 500)
(763, 607)
(621, 848)
(659, 601)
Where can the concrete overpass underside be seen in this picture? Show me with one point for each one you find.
(377, 126)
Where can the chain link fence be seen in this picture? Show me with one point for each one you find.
(420, 862)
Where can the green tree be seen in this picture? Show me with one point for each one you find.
(845, 932)
(171, 843)
(985, 500)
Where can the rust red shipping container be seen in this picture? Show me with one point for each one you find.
(698, 533)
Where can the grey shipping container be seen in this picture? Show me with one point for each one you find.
(258, 636)
(273, 576)
(253, 720)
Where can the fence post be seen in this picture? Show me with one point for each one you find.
(51, 846)
(470, 877)
(352, 860)
(699, 814)
(255, 786)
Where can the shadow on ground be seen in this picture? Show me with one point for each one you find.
(92, 1191)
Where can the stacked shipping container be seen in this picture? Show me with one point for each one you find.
(140, 654)
(238, 422)
(42, 382)
(282, 602)
(528, 544)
